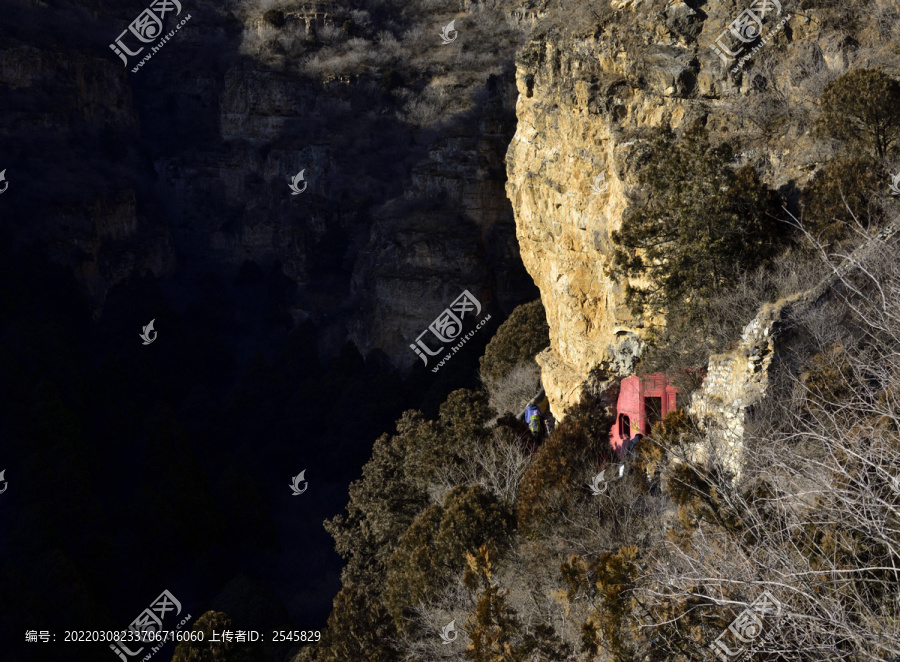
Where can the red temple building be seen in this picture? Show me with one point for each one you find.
(642, 402)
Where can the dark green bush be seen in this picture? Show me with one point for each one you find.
(392, 490)
(359, 628)
(383, 502)
(556, 477)
(391, 80)
(843, 188)
(436, 543)
(703, 223)
(669, 438)
(518, 339)
(862, 108)
(463, 416)
(607, 579)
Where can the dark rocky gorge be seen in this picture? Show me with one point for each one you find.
(284, 320)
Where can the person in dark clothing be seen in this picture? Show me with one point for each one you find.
(632, 443)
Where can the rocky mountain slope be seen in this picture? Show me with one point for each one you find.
(593, 79)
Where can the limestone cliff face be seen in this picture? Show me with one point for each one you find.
(591, 82)
(569, 185)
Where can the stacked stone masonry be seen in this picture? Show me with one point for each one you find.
(734, 383)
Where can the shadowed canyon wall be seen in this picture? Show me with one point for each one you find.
(182, 168)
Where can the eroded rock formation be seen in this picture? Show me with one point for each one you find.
(592, 81)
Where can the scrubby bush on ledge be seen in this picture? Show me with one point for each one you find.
(508, 369)
(701, 219)
(862, 108)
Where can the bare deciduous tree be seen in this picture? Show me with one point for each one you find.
(497, 466)
(815, 516)
(512, 392)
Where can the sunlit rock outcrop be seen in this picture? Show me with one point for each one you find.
(591, 82)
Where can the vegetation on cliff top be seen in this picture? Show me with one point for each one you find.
(395, 44)
(702, 225)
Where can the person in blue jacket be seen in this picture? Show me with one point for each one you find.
(534, 420)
